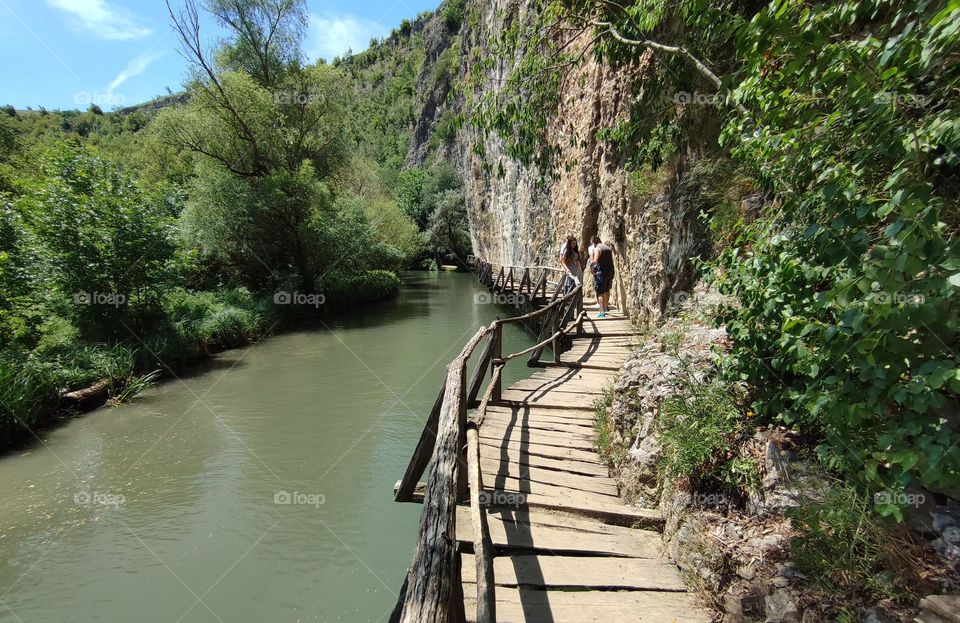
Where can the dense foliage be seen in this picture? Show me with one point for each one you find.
(850, 292)
(847, 324)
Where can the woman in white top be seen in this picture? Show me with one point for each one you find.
(570, 260)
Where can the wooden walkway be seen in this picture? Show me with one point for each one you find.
(547, 538)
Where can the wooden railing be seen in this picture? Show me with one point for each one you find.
(433, 588)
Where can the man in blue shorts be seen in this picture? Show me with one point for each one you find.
(601, 261)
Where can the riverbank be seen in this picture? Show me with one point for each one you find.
(68, 376)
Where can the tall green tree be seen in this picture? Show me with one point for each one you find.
(267, 133)
(107, 241)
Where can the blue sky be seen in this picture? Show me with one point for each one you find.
(63, 54)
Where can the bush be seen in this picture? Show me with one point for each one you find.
(700, 427)
(199, 323)
(848, 290)
(453, 11)
(372, 285)
(845, 548)
(29, 389)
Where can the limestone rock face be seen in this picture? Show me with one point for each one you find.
(518, 214)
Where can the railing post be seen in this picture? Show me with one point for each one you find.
(556, 340)
(496, 354)
(580, 313)
(462, 493)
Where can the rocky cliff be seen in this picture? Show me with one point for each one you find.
(519, 214)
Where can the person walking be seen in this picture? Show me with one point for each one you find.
(601, 263)
(593, 245)
(570, 260)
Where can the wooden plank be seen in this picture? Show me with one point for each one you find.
(581, 572)
(540, 606)
(523, 413)
(581, 438)
(558, 432)
(601, 350)
(592, 376)
(522, 435)
(514, 455)
(534, 449)
(557, 423)
(493, 471)
(510, 535)
(552, 399)
(576, 386)
(614, 512)
(481, 570)
(564, 521)
(555, 491)
(582, 365)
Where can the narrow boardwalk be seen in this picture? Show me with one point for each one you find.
(572, 551)
(521, 519)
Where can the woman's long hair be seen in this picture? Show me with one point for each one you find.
(571, 248)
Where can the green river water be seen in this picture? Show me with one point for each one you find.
(171, 509)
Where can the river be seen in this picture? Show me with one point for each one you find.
(256, 490)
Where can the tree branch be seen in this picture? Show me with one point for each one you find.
(677, 50)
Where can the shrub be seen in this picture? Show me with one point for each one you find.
(848, 290)
(700, 427)
(29, 388)
(198, 323)
(453, 11)
(349, 290)
(845, 548)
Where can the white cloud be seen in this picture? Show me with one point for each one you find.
(135, 67)
(104, 20)
(333, 35)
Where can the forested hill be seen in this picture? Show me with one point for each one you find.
(269, 191)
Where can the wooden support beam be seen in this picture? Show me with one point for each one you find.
(482, 544)
(422, 454)
(480, 372)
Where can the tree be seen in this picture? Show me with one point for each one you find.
(106, 239)
(449, 229)
(264, 128)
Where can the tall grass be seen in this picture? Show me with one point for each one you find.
(29, 389)
(845, 548)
